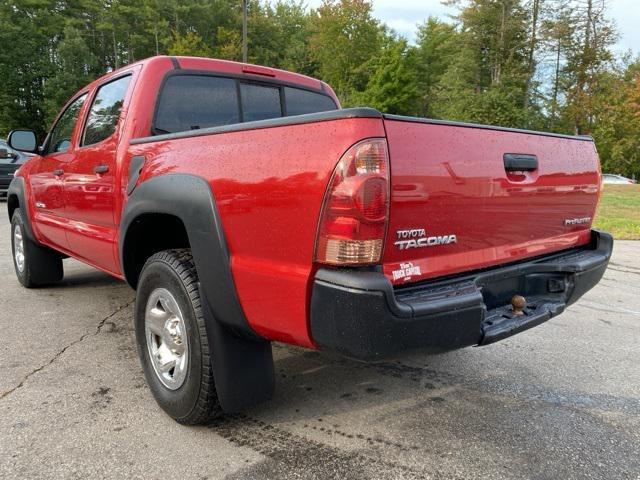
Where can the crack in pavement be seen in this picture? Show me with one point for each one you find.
(601, 307)
(61, 352)
(631, 272)
(629, 267)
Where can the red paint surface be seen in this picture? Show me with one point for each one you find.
(269, 203)
(451, 180)
(269, 186)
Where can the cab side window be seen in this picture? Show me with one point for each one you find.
(301, 101)
(60, 137)
(191, 102)
(105, 111)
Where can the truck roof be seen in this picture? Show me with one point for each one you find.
(230, 67)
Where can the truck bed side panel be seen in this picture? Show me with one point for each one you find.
(269, 185)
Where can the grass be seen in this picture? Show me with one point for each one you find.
(619, 211)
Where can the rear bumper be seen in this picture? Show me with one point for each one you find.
(360, 314)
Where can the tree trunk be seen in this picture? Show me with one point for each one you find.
(582, 72)
(556, 85)
(115, 50)
(533, 42)
(497, 61)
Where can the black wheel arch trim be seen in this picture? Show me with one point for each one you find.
(189, 198)
(242, 361)
(17, 188)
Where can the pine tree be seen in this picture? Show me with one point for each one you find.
(344, 38)
(393, 86)
(436, 49)
(589, 56)
(76, 67)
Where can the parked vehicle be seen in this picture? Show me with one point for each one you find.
(610, 178)
(245, 207)
(10, 161)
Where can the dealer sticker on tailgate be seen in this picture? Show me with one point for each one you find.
(406, 272)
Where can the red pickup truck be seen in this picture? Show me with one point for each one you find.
(246, 207)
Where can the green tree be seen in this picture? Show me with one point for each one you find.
(29, 37)
(487, 80)
(190, 44)
(617, 126)
(588, 59)
(228, 44)
(77, 66)
(344, 38)
(557, 33)
(393, 85)
(436, 49)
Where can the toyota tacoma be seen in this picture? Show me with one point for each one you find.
(246, 207)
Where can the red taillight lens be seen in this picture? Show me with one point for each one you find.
(353, 222)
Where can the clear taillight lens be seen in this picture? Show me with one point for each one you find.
(353, 221)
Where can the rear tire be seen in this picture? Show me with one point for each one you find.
(35, 265)
(172, 339)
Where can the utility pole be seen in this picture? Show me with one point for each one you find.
(244, 31)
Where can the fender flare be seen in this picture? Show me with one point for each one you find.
(242, 361)
(190, 199)
(17, 188)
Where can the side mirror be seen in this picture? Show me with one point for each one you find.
(23, 140)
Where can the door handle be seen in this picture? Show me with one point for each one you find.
(100, 169)
(58, 172)
(517, 162)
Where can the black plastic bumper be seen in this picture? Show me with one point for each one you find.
(360, 314)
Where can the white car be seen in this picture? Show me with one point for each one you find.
(610, 178)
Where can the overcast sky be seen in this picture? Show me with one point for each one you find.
(403, 15)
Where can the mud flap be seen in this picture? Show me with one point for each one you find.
(243, 369)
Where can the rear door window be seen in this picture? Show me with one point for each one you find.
(260, 102)
(105, 111)
(300, 102)
(191, 102)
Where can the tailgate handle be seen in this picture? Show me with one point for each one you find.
(518, 162)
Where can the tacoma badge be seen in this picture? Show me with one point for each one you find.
(417, 238)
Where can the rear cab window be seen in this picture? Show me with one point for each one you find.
(192, 101)
(260, 102)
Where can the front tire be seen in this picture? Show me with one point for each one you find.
(35, 265)
(172, 341)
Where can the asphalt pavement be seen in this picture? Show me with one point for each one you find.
(561, 401)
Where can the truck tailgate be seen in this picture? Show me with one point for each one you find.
(466, 197)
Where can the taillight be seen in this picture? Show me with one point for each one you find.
(354, 215)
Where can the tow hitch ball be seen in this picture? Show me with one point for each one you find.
(518, 304)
